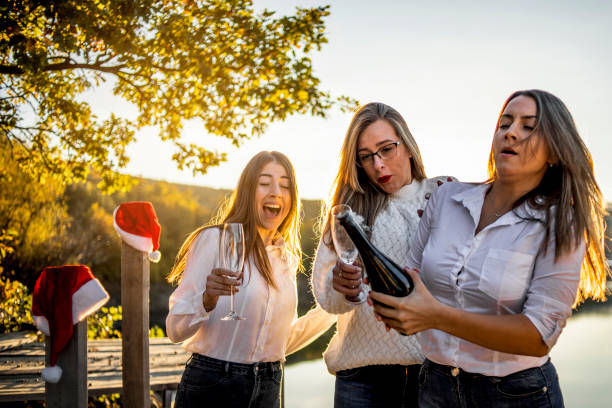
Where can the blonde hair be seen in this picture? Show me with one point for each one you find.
(352, 185)
(570, 185)
(240, 207)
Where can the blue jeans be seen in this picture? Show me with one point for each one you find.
(388, 386)
(208, 382)
(535, 387)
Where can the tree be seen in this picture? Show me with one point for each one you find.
(33, 219)
(218, 61)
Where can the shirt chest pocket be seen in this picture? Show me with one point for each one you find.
(505, 274)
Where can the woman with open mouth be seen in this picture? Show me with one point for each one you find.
(381, 177)
(501, 263)
(239, 363)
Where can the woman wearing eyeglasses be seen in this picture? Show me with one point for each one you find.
(381, 177)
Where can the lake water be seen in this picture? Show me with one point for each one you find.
(582, 356)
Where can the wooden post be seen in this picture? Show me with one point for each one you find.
(71, 390)
(135, 327)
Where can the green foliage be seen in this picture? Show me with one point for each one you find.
(6, 238)
(219, 62)
(105, 401)
(15, 306)
(156, 331)
(33, 219)
(104, 324)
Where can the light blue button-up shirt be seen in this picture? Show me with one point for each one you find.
(499, 271)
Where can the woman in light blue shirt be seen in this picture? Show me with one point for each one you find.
(502, 263)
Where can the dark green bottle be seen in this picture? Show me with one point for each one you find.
(385, 276)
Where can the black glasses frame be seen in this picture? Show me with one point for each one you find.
(367, 157)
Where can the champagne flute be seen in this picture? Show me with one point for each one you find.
(231, 257)
(345, 249)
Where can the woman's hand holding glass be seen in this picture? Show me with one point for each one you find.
(347, 278)
(231, 258)
(224, 281)
(220, 282)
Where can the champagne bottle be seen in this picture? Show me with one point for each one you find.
(384, 275)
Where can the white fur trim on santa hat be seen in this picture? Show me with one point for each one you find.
(52, 374)
(42, 324)
(89, 298)
(155, 256)
(144, 244)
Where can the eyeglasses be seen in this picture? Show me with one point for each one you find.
(386, 152)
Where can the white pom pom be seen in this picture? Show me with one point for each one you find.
(155, 256)
(52, 374)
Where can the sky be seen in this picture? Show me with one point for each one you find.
(446, 66)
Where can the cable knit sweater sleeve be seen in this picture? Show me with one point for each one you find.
(326, 296)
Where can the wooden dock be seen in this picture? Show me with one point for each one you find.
(22, 360)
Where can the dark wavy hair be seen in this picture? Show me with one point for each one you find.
(570, 185)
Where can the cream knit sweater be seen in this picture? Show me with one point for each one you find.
(360, 339)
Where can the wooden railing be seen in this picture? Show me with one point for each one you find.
(22, 358)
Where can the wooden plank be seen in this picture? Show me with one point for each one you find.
(32, 387)
(12, 365)
(71, 390)
(20, 371)
(12, 340)
(135, 327)
(20, 366)
(33, 350)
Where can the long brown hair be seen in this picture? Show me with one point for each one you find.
(352, 185)
(240, 207)
(570, 185)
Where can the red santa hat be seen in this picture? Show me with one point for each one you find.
(136, 223)
(64, 296)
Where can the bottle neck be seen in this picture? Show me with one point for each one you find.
(356, 233)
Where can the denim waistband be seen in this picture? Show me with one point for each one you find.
(382, 369)
(229, 367)
(456, 371)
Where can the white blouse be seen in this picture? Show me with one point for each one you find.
(271, 329)
(501, 270)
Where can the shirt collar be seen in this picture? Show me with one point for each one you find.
(277, 242)
(472, 199)
(278, 250)
(277, 247)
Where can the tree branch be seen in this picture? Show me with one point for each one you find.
(60, 66)
(132, 84)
